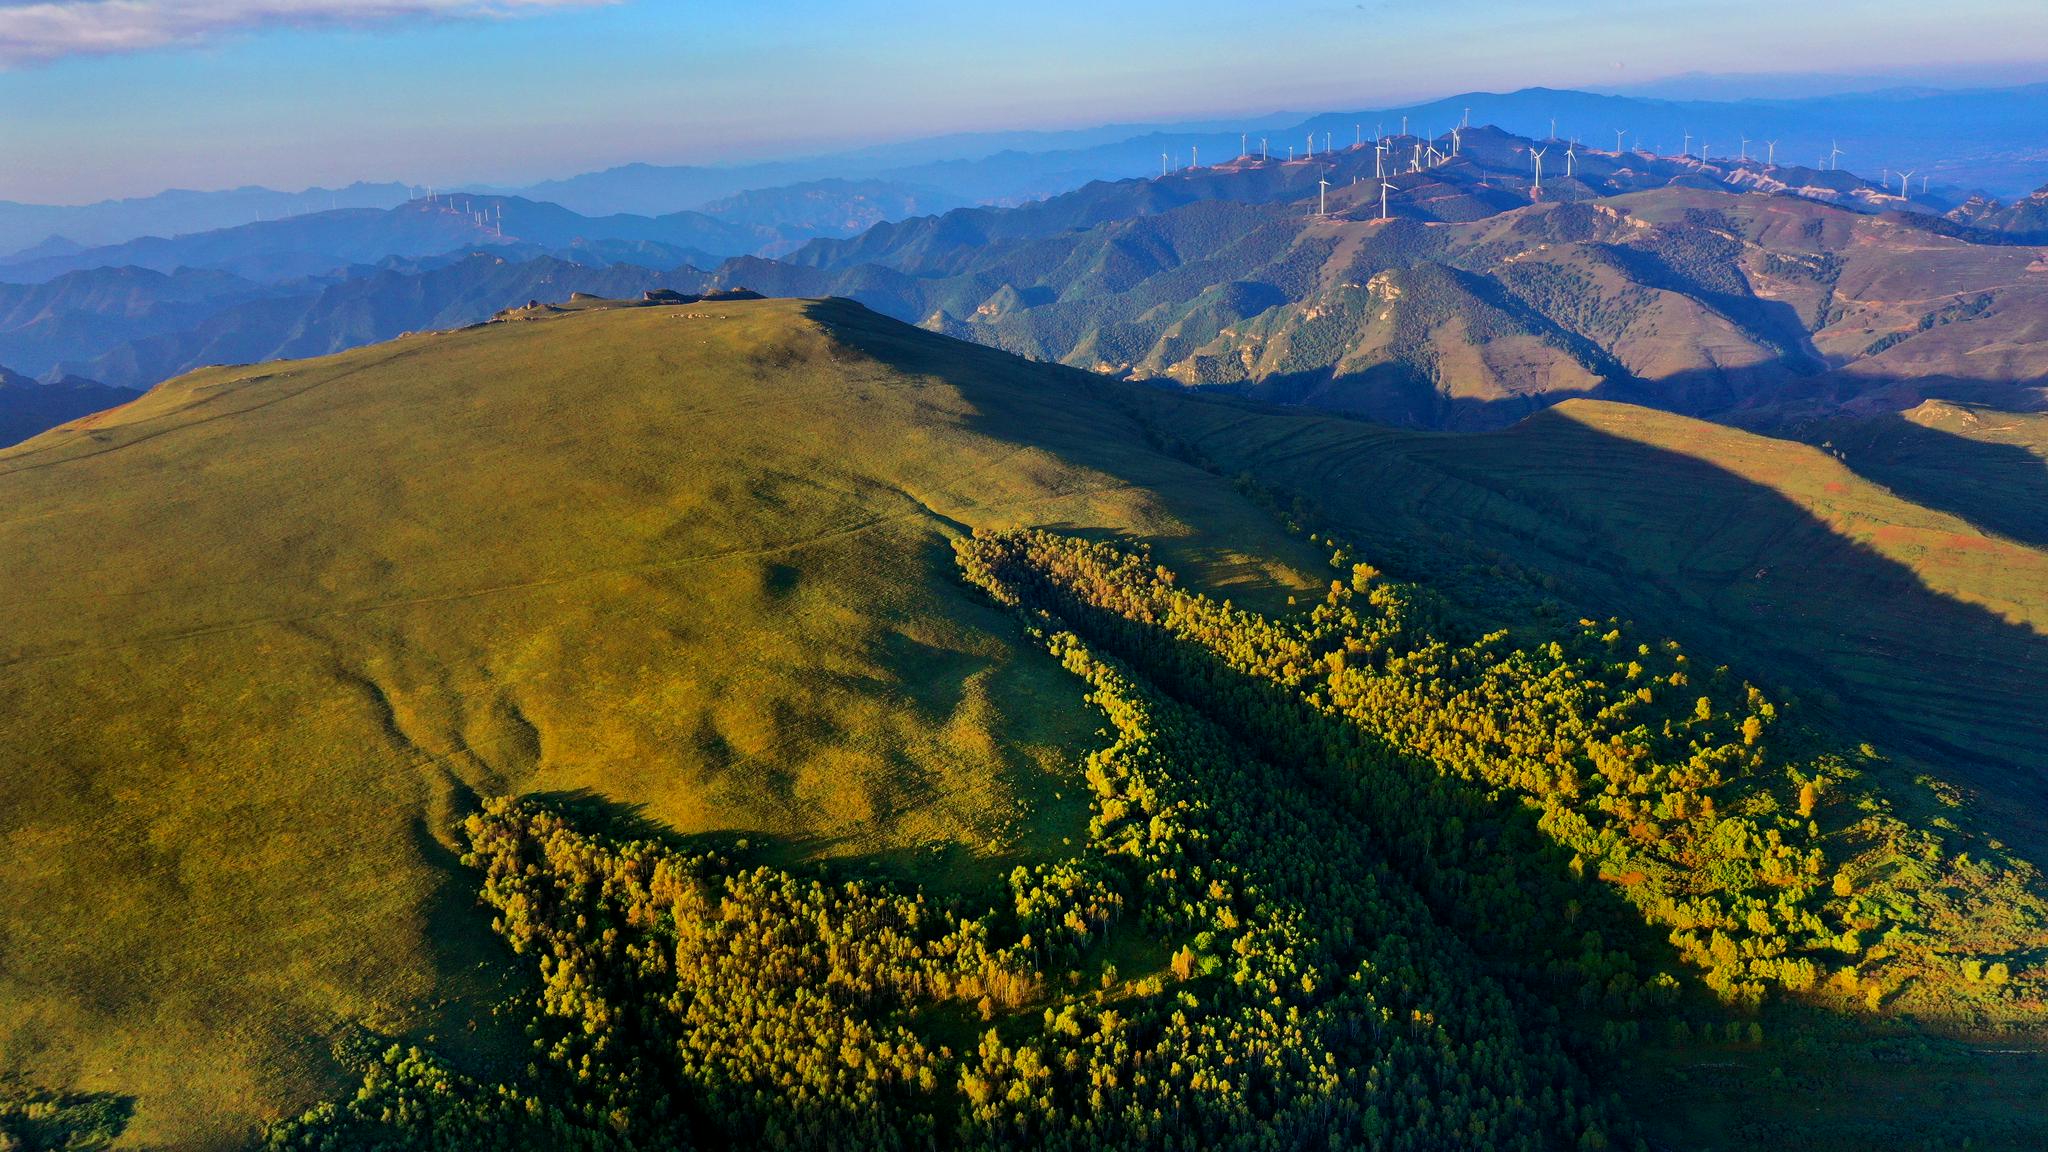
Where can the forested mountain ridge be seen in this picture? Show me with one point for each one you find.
(859, 737)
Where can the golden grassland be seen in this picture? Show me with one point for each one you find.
(269, 632)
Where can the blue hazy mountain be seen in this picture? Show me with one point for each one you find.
(24, 226)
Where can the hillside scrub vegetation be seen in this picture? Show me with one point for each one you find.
(1348, 878)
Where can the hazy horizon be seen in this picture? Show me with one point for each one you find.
(124, 98)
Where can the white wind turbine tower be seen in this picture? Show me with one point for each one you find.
(1704, 147)
(1685, 149)
(1467, 121)
(1379, 160)
(1568, 158)
(1906, 185)
(1835, 155)
(1311, 146)
(1383, 199)
(1771, 153)
(1536, 155)
(1262, 149)
(1457, 141)
(1358, 131)
(1326, 143)
(1244, 145)
(1745, 149)
(1194, 156)
(1415, 165)
(1323, 198)
(1163, 168)
(1619, 135)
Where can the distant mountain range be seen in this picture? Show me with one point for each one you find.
(1674, 289)
(25, 227)
(1747, 292)
(1992, 140)
(27, 407)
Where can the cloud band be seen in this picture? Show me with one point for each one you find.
(47, 30)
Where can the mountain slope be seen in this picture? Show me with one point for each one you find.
(81, 315)
(689, 561)
(1902, 620)
(1751, 293)
(324, 242)
(27, 407)
(682, 573)
(364, 308)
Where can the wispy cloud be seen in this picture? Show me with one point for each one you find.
(38, 31)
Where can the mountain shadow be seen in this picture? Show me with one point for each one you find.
(1605, 522)
(1998, 485)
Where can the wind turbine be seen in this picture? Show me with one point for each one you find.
(1244, 145)
(1835, 155)
(1685, 149)
(1553, 127)
(1568, 158)
(1379, 160)
(1383, 199)
(1906, 185)
(1467, 122)
(1619, 133)
(1745, 149)
(1262, 149)
(1771, 156)
(1415, 165)
(1326, 143)
(1404, 125)
(1704, 146)
(1311, 146)
(1194, 156)
(1163, 169)
(1536, 155)
(1323, 198)
(1358, 133)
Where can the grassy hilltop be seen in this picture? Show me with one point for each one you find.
(688, 572)
(269, 629)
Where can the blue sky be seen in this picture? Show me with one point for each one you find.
(126, 97)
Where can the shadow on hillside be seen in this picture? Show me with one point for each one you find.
(1735, 571)
(1745, 576)
(2002, 488)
